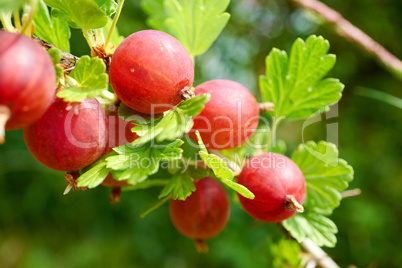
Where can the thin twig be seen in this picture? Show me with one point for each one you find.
(354, 34)
(322, 258)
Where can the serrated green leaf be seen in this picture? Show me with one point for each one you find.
(174, 124)
(90, 75)
(320, 229)
(139, 162)
(294, 84)
(154, 205)
(108, 6)
(180, 187)
(221, 169)
(94, 176)
(84, 14)
(55, 55)
(196, 23)
(11, 5)
(326, 175)
(51, 29)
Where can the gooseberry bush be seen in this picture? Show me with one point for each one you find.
(130, 113)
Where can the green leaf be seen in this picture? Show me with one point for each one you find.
(108, 6)
(174, 124)
(154, 205)
(51, 29)
(90, 75)
(179, 187)
(84, 14)
(55, 55)
(285, 253)
(221, 170)
(295, 84)
(139, 162)
(196, 23)
(10, 5)
(156, 14)
(326, 174)
(320, 229)
(95, 174)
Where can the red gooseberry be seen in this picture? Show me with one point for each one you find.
(27, 81)
(149, 71)
(119, 134)
(69, 136)
(229, 118)
(204, 213)
(278, 185)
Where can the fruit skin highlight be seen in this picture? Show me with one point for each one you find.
(204, 213)
(69, 136)
(229, 118)
(274, 179)
(149, 70)
(27, 81)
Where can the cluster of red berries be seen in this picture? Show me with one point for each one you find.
(150, 72)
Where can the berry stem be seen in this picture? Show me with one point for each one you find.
(115, 195)
(201, 246)
(292, 204)
(17, 20)
(272, 134)
(27, 26)
(5, 114)
(115, 19)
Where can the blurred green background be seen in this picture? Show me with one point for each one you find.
(39, 227)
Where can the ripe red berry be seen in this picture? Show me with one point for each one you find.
(27, 81)
(230, 117)
(278, 185)
(204, 213)
(68, 137)
(119, 134)
(149, 70)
